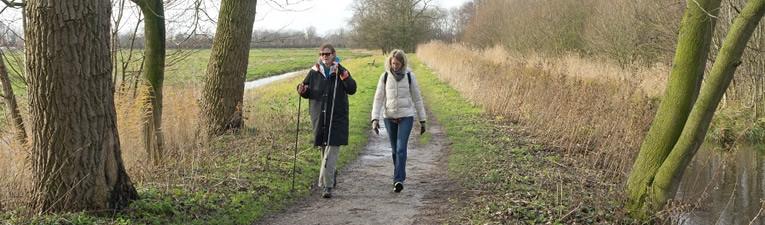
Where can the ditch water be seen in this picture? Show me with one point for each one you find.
(723, 187)
(260, 82)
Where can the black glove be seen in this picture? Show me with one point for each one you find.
(422, 127)
(376, 126)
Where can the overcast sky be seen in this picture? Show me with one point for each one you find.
(324, 15)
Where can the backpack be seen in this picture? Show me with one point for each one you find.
(385, 79)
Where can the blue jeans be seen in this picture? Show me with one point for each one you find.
(398, 134)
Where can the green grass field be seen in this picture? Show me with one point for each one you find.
(262, 63)
(189, 65)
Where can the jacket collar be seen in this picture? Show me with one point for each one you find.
(333, 69)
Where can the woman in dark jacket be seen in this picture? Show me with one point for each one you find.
(328, 106)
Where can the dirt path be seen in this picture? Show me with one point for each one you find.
(364, 193)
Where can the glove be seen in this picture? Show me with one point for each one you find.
(376, 126)
(301, 88)
(422, 127)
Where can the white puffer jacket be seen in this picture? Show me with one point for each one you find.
(400, 98)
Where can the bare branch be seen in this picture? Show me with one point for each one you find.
(200, 9)
(15, 61)
(286, 6)
(704, 10)
(14, 4)
(12, 31)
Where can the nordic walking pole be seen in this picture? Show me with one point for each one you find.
(297, 131)
(329, 133)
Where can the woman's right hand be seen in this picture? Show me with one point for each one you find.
(376, 126)
(301, 88)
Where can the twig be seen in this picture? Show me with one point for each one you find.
(758, 213)
(569, 213)
(14, 4)
(704, 10)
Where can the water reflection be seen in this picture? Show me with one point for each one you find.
(723, 188)
(260, 82)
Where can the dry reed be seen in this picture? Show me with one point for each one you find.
(183, 151)
(593, 110)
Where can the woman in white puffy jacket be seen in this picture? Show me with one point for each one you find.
(399, 96)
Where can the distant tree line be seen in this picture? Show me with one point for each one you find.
(308, 38)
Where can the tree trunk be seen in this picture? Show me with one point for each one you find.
(10, 101)
(679, 95)
(75, 149)
(668, 176)
(154, 75)
(224, 84)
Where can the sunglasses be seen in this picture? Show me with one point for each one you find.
(325, 53)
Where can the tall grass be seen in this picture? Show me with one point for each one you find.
(602, 120)
(504, 179)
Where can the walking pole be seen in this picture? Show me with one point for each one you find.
(297, 130)
(332, 112)
(329, 133)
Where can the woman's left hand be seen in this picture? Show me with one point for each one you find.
(422, 127)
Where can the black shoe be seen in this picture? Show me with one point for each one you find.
(327, 193)
(398, 186)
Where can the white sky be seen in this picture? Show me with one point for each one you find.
(324, 15)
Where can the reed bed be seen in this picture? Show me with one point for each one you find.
(596, 112)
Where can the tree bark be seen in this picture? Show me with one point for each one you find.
(75, 149)
(224, 84)
(683, 87)
(10, 103)
(671, 171)
(154, 75)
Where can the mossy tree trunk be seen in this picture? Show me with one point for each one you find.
(671, 171)
(223, 93)
(75, 148)
(687, 71)
(682, 121)
(154, 76)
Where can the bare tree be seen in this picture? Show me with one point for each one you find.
(75, 149)
(7, 90)
(154, 76)
(394, 24)
(10, 103)
(223, 93)
(687, 107)
(310, 34)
